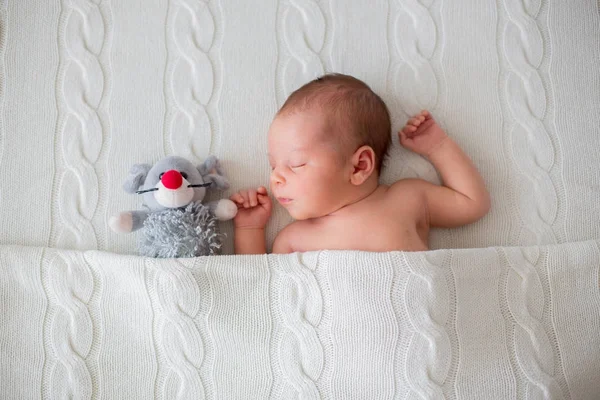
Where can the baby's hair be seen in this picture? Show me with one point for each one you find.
(353, 105)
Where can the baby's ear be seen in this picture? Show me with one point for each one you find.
(211, 171)
(363, 161)
(136, 178)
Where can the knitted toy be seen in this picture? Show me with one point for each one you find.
(175, 222)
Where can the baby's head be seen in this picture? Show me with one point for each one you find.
(327, 144)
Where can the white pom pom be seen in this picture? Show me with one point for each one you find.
(122, 223)
(225, 210)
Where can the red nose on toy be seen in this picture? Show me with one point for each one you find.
(172, 179)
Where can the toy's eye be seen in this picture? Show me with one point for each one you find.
(184, 175)
(161, 175)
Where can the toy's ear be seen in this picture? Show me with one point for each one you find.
(136, 178)
(211, 171)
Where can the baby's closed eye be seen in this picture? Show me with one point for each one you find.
(298, 166)
(293, 166)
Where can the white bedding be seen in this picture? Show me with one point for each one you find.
(88, 88)
(495, 323)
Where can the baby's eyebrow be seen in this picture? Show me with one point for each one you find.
(295, 149)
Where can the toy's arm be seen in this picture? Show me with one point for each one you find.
(128, 221)
(223, 209)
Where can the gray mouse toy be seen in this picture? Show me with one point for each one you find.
(175, 222)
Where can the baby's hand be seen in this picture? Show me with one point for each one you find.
(254, 208)
(421, 134)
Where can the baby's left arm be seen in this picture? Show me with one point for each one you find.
(463, 198)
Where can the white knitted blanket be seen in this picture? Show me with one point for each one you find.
(495, 323)
(90, 87)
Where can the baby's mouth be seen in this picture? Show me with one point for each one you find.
(284, 200)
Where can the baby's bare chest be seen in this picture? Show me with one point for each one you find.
(368, 232)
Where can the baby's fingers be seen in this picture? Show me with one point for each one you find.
(263, 199)
(262, 195)
(416, 121)
(241, 198)
(408, 129)
(237, 198)
(252, 198)
(403, 136)
(265, 202)
(406, 139)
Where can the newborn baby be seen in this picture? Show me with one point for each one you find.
(326, 148)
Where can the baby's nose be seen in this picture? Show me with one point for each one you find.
(276, 177)
(172, 179)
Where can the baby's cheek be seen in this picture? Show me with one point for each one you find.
(271, 181)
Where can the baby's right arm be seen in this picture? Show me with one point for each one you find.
(463, 198)
(254, 210)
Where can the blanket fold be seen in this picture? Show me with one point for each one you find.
(494, 323)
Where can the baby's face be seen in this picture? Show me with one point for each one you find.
(308, 172)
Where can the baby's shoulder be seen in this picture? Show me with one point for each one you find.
(287, 239)
(405, 201)
(407, 189)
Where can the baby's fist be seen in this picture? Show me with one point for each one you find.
(254, 208)
(422, 134)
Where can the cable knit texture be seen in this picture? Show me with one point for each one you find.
(189, 80)
(490, 323)
(80, 136)
(90, 87)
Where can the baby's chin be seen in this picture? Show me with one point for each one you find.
(301, 215)
(298, 216)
